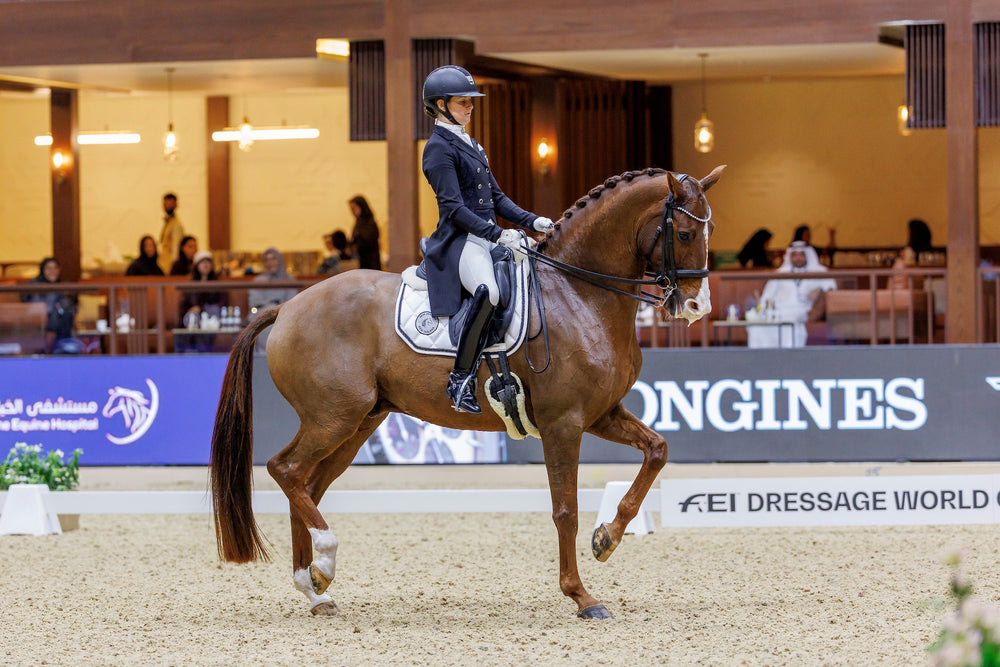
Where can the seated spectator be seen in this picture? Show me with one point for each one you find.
(184, 264)
(195, 306)
(146, 263)
(789, 300)
(337, 248)
(274, 270)
(261, 298)
(918, 240)
(754, 251)
(60, 308)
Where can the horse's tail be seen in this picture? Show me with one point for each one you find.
(236, 533)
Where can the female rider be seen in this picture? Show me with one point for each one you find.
(467, 195)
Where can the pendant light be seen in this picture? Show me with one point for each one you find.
(170, 148)
(704, 129)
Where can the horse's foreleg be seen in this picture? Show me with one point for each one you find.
(562, 462)
(620, 425)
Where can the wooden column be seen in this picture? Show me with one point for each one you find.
(546, 183)
(963, 173)
(216, 118)
(404, 222)
(65, 183)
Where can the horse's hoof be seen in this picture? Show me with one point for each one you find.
(598, 611)
(320, 582)
(601, 543)
(325, 609)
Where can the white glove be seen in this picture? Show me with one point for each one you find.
(544, 225)
(515, 241)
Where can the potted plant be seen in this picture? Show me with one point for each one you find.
(25, 465)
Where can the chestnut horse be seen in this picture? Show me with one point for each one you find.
(334, 355)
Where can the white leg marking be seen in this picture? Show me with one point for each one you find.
(303, 582)
(325, 545)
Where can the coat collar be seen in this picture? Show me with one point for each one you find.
(476, 150)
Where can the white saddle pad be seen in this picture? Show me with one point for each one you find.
(429, 335)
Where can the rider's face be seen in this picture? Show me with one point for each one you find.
(461, 109)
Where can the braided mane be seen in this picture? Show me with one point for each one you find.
(595, 193)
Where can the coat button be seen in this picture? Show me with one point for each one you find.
(479, 187)
(480, 201)
(479, 170)
(487, 170)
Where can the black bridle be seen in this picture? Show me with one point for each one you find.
(668, 275)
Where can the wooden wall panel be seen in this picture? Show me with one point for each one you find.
(366, 90)
(925, 74)
(601, 132)
(987, 76)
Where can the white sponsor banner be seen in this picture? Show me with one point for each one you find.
(830, 501)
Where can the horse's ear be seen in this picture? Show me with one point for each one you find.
(710, 180)
(675, 185)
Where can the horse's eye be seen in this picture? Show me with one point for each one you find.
(685, 236)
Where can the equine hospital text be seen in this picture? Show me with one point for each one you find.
(791, 405)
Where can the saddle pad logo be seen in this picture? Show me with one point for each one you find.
(426, 323)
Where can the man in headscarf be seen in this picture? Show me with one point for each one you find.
(791, 299)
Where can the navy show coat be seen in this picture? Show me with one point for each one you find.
(467, 196)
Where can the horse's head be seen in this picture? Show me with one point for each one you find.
(675, 238)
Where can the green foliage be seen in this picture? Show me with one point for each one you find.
(25, 465)
(971, 636)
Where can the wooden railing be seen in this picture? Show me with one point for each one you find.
(871, 306)
(876, 307)
(151, 305)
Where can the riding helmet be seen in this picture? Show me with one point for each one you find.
(447, 82)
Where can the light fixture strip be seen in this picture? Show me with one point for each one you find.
(95, 138)
(267, 133)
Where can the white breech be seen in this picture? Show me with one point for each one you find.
(475, 267)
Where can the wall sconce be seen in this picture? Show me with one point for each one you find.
(543, 157)
(61, 163)
(903, 120)
(704, 129)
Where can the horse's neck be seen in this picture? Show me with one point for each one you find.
(602, 236)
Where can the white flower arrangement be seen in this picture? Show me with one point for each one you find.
(25, 465)
(971, 636)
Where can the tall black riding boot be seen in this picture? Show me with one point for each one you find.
(462, 381)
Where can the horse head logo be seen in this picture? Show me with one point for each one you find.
(137, 411)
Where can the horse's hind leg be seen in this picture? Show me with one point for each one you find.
(304, 483)
(620, 425)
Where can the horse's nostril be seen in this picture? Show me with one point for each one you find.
(693, 306)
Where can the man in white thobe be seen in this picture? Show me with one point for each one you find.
(790, 300)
